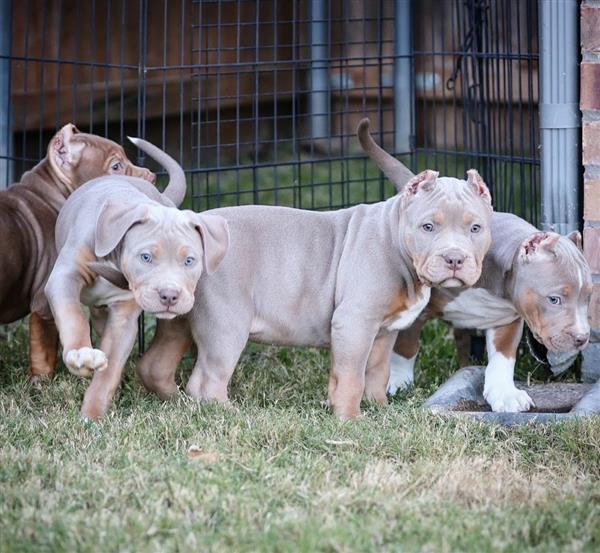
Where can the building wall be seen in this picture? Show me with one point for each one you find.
(590, 108)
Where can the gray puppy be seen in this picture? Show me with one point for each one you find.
(344, 279)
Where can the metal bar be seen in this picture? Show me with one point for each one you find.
(404, 99)
(319, 71)
(560, 118)
(6, 176)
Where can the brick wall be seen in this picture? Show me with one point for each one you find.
(590, 108)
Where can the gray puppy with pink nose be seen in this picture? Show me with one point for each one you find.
(531, 276)
(346, 279)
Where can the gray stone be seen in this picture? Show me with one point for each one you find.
(463, 388)
(590, 367)
(589, 403)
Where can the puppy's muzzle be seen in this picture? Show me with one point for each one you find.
(169, 296)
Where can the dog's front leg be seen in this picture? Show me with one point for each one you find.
(117, 341)
(351, 343)
(378, 368)
(404, 356)
(499, 389)
(63, 291)
(43, 345)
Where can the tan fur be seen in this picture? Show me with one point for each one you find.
(28, 213)
(506, 339)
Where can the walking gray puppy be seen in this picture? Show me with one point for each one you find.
(124, 247)
(528, 275)
(346, 279)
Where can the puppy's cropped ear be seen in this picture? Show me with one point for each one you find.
(113, 222)
(64, 152)
(424, 181)
(214, 232)
(475, 181)
(538, 244)
(575, 237)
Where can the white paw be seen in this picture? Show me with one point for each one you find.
(508, 399)
(399, 382)
(85, 361)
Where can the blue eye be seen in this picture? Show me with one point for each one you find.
(475, 228)
(554, 300)
(427, 227)
(146, 257)
(189, 260)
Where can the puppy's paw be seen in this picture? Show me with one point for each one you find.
(399, 382)
(85, 361)
(508, 399)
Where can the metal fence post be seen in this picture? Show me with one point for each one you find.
(5, 127)
(560, 118)
(404, 101)
(319, 106)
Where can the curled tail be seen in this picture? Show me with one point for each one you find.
(393, 169)
(177, 187)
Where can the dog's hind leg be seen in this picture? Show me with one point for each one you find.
(117, 341)
(158, 365)
(43, 345)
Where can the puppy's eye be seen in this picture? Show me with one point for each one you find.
(475, 228)
(189, 260)
(427, 227)
(117, 166)
(554, 300)
(146, 257)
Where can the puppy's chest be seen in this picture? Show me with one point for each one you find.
(478, 308)
(406, 316)
(103, 292)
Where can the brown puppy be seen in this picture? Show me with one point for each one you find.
(28, 212)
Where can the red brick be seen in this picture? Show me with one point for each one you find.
(590, 84)
(591, 143)
(594, 309)
(590, 23)
(591, 200)
(591, 248)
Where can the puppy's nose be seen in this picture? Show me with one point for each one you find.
(580, 340)
(454, 260)
(168, 296)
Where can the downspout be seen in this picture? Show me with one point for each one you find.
(6, 176)
(560, 119)
(319, 70)
(403, 77)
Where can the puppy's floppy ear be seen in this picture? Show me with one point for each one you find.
(63, 152)
(575, 237)
(424, 181)
(214, 232)
(113, 222)
(539, 243)
(475, 181)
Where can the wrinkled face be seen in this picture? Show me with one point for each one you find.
(78, 157)
(553, 286)
(163, 252)
(447, 228)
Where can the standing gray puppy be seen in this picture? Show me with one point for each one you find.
(344, 279)
(124, 247)
(531, 276)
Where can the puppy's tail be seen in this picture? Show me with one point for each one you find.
(393, 169)
(177, 187)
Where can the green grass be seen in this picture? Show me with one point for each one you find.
(277, 472)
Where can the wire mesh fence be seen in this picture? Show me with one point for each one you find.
(259, 99)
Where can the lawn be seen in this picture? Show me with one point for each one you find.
(276, 472)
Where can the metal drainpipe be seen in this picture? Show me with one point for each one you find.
(319, 70)
(560, 119)
(5, 131)
(403, 77)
